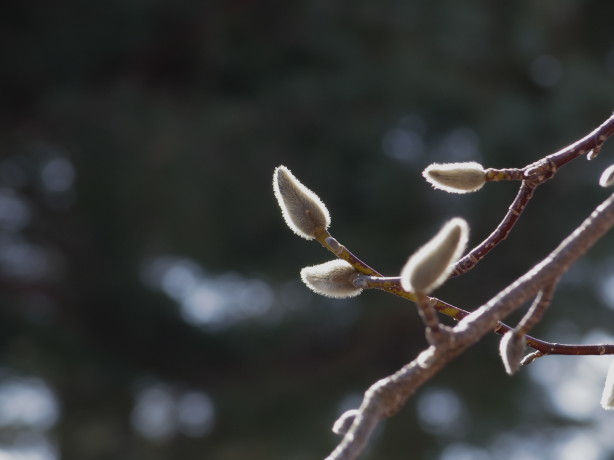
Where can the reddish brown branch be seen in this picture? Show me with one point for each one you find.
(388, 395)
(514, 212)
(534, 174)
(591, 142)
(542, 346)
(392, 285)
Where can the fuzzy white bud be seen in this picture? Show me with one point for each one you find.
(431, 265)
(607, 398)
(456, 177)
(332, 279)
(512, 349)
(607, 177)
(302, 210)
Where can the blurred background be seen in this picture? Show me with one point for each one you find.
(150, 304)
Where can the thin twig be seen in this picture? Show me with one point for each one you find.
(428, 313)
(393, 286)
(525, 193)
(330, 243)
(591, 142)
(497, 175)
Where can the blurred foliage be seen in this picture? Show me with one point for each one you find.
(134, 131)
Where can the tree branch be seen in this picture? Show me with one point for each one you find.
(533, 175)
(471, 259)
(388, 395)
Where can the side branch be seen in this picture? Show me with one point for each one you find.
(533, 175)
(470, 260)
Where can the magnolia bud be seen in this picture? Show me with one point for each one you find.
(430, 265)
(332, 279)
(302, 210)
(512, 349)
(456, 177)
(607, 398)
(607, 177)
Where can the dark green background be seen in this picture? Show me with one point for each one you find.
(173, 117)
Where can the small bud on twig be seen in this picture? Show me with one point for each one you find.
(332, 279)
(303, 211)
(512, 349)
(607, 398)
(431, 265)
(593, 153)
(607, 177)
(456, 177)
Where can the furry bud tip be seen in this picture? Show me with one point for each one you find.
(431, 265)
(607, 398)
(607, 177)
(512, 349)
(456, 177)
(332, 279)
(302, 210)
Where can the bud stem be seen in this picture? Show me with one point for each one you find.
(496, 175)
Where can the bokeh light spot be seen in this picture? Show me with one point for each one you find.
(14, 212)
(152, 415)
(195, 413)
(160, 412)
(23, 261)
(545, 71)
(27, 402)
(440, 410)
(57, 175)
(208, 300)
(463, 451)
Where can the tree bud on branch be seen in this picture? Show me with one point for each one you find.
(332, 279)
(607, 398)
(607, 177)
(456, 177)
(512, 349)
(302, 210)
(431, 265)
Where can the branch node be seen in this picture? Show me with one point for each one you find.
(361, 281)
(334, 245)
(528, 359)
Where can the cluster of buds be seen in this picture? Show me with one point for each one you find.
(429, 267)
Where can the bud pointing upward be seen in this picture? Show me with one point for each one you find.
(431, 265)
(302, 210)
(456, 177)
